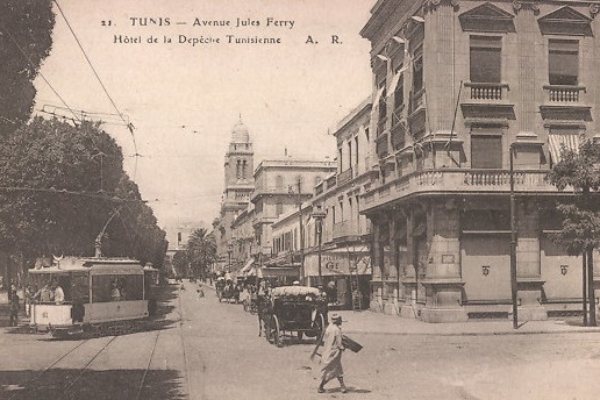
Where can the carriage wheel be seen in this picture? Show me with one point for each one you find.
(319, 328)
(275, 334)
(267, 328)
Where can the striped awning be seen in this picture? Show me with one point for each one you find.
(559, 141)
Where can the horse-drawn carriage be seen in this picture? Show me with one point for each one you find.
(295, 309)
(227, 290)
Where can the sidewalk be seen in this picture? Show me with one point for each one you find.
(368, 322)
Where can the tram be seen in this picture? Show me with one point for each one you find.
(104, 296)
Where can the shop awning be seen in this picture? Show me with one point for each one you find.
(292, 271)
(339, 262)
(559, 141)
(247, 266)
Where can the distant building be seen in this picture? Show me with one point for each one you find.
(346, 240)
(456, 86)
(282, 185)
(238, 185)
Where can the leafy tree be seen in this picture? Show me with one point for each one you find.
(180, 263)
(25, 40)
(202, 250)
(62, 184)
(581, 224)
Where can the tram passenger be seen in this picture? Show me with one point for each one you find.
(45, 294)
(59, 294)
(115, 293)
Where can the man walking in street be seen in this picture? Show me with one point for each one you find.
(331, 357)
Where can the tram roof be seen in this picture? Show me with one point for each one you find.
(100, 265)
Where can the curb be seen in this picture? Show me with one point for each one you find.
(500, 333)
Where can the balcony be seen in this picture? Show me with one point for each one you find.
(398, 136)
(487, 91)
(563, 93)
(331, 182)
(381, 145)
(457, 181)
(344, 176)
(345, 229)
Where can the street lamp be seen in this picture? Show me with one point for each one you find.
(318, 216)
(513, 239)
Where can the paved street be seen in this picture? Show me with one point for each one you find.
(208, 350)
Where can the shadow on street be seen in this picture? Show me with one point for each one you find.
(92, 385)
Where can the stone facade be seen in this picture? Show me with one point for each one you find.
(461, 90)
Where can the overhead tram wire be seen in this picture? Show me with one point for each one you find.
(129, 125)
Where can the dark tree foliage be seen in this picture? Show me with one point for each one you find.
(25, 40)
(61, 184)
(581, 223)
(180, 264)
(580, 233)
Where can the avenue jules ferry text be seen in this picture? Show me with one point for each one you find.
(231, 31)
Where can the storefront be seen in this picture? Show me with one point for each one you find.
(346, 275)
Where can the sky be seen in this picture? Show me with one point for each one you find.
(183, 97)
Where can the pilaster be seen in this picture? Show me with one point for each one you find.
(443, 281)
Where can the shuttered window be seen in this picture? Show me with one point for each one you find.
(486, 152)
(563, 62)
(486, 59)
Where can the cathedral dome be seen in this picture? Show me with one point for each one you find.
(239, 133)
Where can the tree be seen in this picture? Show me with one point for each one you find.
(581, 217)
(180, 263)
(62, 184)
(25, 40)
(201, 249)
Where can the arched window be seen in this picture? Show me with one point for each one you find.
(244, 169)
(238, 169)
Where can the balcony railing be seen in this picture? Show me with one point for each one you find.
(331, 182)
(475, 181)
(487, 91)
(398, 136)
(344, 176)
(345, 229)
(563, 93)
(381, 145)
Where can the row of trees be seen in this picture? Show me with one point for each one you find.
(60, 183)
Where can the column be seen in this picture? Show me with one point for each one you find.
(376, 260)
(529, 279)
(409, 282)
(443, 280)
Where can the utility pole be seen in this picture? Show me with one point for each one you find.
(513, 240)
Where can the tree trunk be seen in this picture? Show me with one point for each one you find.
(590, 262)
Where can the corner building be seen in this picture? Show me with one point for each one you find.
(457, 84)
